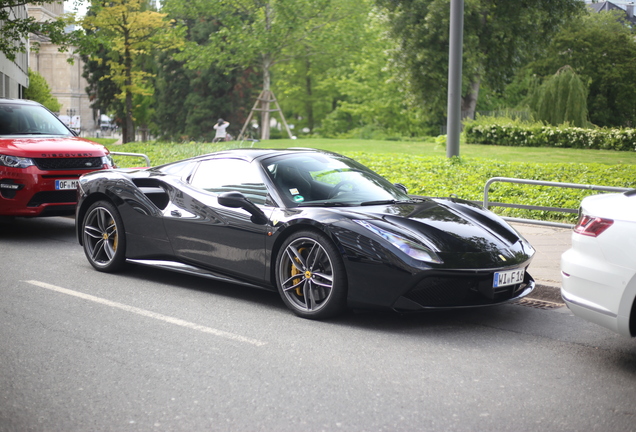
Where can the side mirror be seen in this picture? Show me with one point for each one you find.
(401, 187)
(238, 200)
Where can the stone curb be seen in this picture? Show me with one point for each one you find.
(544, 292)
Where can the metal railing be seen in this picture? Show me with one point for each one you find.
(487, 203)
(141, 155)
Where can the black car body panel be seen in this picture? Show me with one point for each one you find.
(171, 223)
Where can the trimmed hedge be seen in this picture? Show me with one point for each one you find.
(536, 135)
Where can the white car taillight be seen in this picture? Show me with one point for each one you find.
(592, 226)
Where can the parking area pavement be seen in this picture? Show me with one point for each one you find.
(549, 243)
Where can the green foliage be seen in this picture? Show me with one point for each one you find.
(346, 85)
(263, 35)
(499, 38)
(40, 91)
(101, 89)
(602, 50)
(16, 27)
(373, 102)
(507, 132)
(562, 98)
(128, 31)
(190, 101)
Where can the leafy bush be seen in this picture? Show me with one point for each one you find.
(40, 91)
(502, 131)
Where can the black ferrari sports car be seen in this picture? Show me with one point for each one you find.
(322, 229)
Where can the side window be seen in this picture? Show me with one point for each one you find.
(178, 169)
(231, 175)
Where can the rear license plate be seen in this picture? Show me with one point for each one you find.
(509, 277)
(65, 184)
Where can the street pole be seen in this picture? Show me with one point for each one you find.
(455, 49)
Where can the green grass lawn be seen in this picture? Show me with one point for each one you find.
(430, 148)
(165, 152)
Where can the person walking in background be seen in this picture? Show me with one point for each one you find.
(221, 133)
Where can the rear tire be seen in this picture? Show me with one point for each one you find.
(311, 276)
(104, 237)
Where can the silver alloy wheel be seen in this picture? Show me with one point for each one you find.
(100, 236)
(306, 275)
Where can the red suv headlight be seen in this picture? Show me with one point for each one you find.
(15, 161)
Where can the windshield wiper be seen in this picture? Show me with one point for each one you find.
(380, 202)
(325, 204)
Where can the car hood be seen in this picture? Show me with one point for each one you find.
(51, 147)
(457, 230)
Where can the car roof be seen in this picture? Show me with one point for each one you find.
(251, 154)
(18, 102)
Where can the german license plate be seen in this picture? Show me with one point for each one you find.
(65, 184)
(508, 277)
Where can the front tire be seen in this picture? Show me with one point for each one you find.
(310, 276)
(104, 238)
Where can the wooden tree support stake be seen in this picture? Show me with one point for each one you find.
(264, 100)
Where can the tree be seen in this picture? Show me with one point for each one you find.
(102, 91)
(372, 101)
(16, 28)
(500, 36)
(306, 83)
(259, 34)
(189, 101)
(562, 98)
(601, 49)
(130, 31)
(40, 91)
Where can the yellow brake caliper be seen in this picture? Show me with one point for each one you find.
(116, 239)
(295, 271)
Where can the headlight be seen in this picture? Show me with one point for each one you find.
(15, 161)
(409, 247)
(108, 160)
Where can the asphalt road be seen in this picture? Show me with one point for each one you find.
(147, 350)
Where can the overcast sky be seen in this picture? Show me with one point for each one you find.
(69, 6)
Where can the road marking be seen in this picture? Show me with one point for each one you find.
(149, 314)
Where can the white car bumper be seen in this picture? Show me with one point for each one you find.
(593, 288)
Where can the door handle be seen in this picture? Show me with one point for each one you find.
(175, 213)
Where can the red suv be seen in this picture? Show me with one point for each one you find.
(41, 161)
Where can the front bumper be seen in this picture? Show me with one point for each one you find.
(452, 291)
(31, 192)
(592, 289)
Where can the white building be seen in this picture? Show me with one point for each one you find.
(65, 79)
(14, 76)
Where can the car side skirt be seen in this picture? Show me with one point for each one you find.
(191, 270)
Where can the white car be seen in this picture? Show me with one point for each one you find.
(599, 271)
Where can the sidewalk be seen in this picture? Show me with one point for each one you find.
(549, 243)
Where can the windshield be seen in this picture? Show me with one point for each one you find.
(18, 119)
(328, 180)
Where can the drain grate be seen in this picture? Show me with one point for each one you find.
(539, 304)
